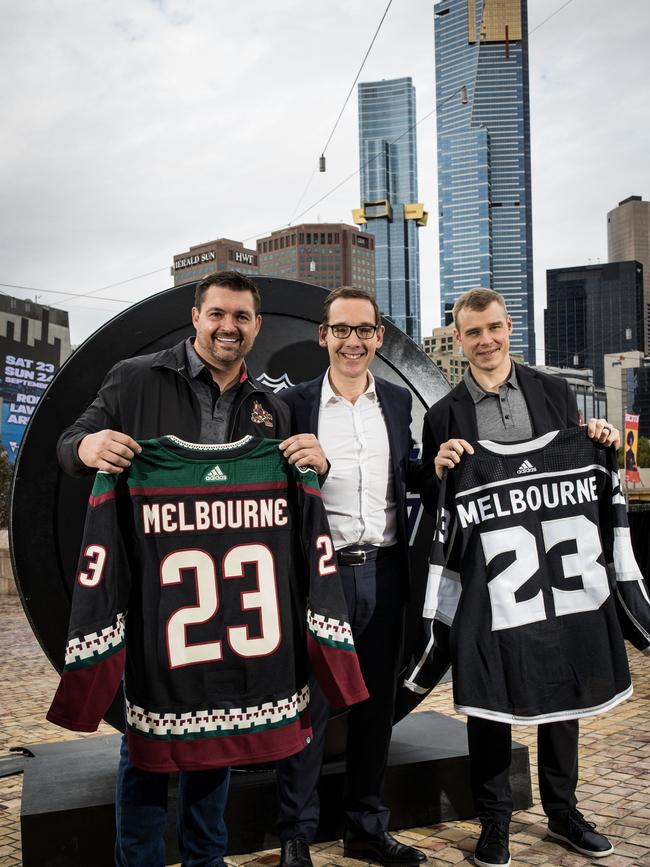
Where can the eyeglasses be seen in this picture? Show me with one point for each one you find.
(364, 332)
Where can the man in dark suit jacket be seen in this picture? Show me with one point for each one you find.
(504, 401)
(363, 426)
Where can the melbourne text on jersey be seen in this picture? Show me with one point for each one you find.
(192, 515)
(513, 501)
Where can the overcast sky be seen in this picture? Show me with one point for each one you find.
(132, 130)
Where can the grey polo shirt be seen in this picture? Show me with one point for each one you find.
(216, 405)
(501, 416)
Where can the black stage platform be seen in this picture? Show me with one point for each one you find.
(68, 794)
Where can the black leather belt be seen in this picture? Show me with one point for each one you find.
(357, 555)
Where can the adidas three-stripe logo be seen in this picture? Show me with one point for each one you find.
(526, 467)
(216, 475)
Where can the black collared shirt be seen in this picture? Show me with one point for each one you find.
(216, 405)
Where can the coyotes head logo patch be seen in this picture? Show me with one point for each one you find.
(261, 415)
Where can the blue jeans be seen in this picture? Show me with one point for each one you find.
(141, 813)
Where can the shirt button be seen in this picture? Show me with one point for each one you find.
(507, 416)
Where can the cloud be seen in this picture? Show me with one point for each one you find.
(132, 130)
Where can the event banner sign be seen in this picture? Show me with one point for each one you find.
(631, 444)
(27, 366)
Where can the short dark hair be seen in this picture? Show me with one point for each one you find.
(349, 292)
(229, 280)
(477, 299)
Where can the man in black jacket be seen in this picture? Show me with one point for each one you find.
(200, 391)
(504, 401)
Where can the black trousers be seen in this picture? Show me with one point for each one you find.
(375, 599)
(490, 751)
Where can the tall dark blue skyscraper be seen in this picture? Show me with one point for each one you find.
(484, 188)
(389, 196)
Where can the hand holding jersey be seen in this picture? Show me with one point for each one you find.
(108, 451)
(450, 454)
(304, 450)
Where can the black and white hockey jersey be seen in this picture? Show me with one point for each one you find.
(207, 576)
(533, 570)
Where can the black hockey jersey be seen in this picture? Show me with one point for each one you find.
(207, 575)
(533, 570)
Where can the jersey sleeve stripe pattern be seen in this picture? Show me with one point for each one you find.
(442, 594)
(95, 646)
(411, 681)
(328, 630)
(624, 560)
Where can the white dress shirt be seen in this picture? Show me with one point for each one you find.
(359, 492)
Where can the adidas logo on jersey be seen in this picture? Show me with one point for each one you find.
(216, 475)
(526, 467)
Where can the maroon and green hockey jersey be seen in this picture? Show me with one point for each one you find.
(208, 578)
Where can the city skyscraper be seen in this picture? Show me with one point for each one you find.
(593, 310)
(484, 180)
(389, 196)
(628, 237)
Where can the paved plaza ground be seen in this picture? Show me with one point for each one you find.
(614, 788)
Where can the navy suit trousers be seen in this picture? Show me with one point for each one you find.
(375, 599)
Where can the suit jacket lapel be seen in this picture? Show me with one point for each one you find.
(463, 421)
(533, 390)
(310, 408)
(389, 418)
(397, 445)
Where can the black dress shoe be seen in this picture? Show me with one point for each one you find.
(384, 849)
(295, 853)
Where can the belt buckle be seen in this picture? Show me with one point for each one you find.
(357, 558)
